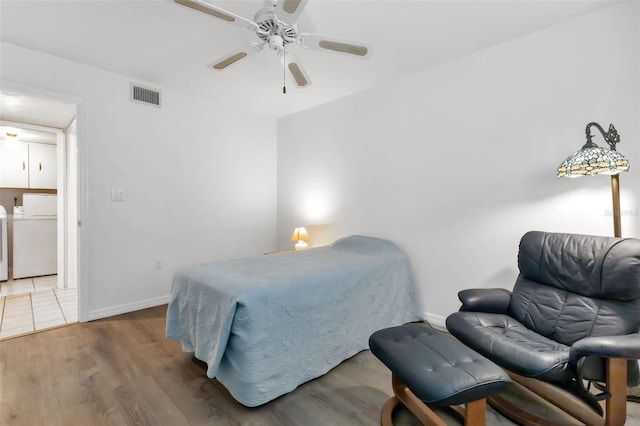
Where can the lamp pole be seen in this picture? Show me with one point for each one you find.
(615, 192)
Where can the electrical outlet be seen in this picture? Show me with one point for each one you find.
(157, 264)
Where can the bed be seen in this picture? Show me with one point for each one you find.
(264, 325)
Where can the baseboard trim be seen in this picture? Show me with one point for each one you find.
(437, 320)
(127, 307)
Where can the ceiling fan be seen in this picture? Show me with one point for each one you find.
(276, 26)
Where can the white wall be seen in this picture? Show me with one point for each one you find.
(456, 162)
(200, 180)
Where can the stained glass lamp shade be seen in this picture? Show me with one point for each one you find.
(594, 160)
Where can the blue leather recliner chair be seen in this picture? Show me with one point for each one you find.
(571, 320)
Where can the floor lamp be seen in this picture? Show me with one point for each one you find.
(593, 160)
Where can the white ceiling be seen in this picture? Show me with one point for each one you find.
(162, 43)
(20, 108)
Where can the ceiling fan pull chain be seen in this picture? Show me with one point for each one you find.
(284, 71)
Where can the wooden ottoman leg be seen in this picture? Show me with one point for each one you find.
(476, 413)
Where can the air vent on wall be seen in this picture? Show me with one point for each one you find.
(145, 95)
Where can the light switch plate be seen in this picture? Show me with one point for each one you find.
(118, 195)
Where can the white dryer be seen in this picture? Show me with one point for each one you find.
(4, 248)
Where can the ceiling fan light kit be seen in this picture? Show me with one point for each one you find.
(277, 27)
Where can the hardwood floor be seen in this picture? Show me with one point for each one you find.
(123, 371)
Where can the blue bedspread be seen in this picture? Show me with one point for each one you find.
(265, 325)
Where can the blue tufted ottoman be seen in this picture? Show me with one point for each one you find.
(432, 368)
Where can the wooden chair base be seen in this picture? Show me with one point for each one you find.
(573, 408)
(474, 413)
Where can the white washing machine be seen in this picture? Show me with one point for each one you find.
(4, 248)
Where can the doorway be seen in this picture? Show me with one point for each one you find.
(41, 290)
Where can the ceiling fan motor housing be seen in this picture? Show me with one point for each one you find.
(276, 33)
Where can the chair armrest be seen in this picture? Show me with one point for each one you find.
(626, 346)
(490, 300)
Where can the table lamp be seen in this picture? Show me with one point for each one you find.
(300, 237)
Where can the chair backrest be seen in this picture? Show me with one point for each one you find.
(573, 286)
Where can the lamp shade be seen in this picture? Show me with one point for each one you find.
(592, 160)
(300, 234)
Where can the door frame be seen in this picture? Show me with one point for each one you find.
(81, 243)
(61, 182)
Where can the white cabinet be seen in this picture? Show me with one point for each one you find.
(28, 165)
(14, 164)
(43, 164)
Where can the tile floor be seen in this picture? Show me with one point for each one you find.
(34, 304)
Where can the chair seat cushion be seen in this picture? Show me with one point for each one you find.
(511, 345)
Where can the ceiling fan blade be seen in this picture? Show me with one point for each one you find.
(320, 42)
(231, 58)
(295, 69)
(288, 11)
(219, 13)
